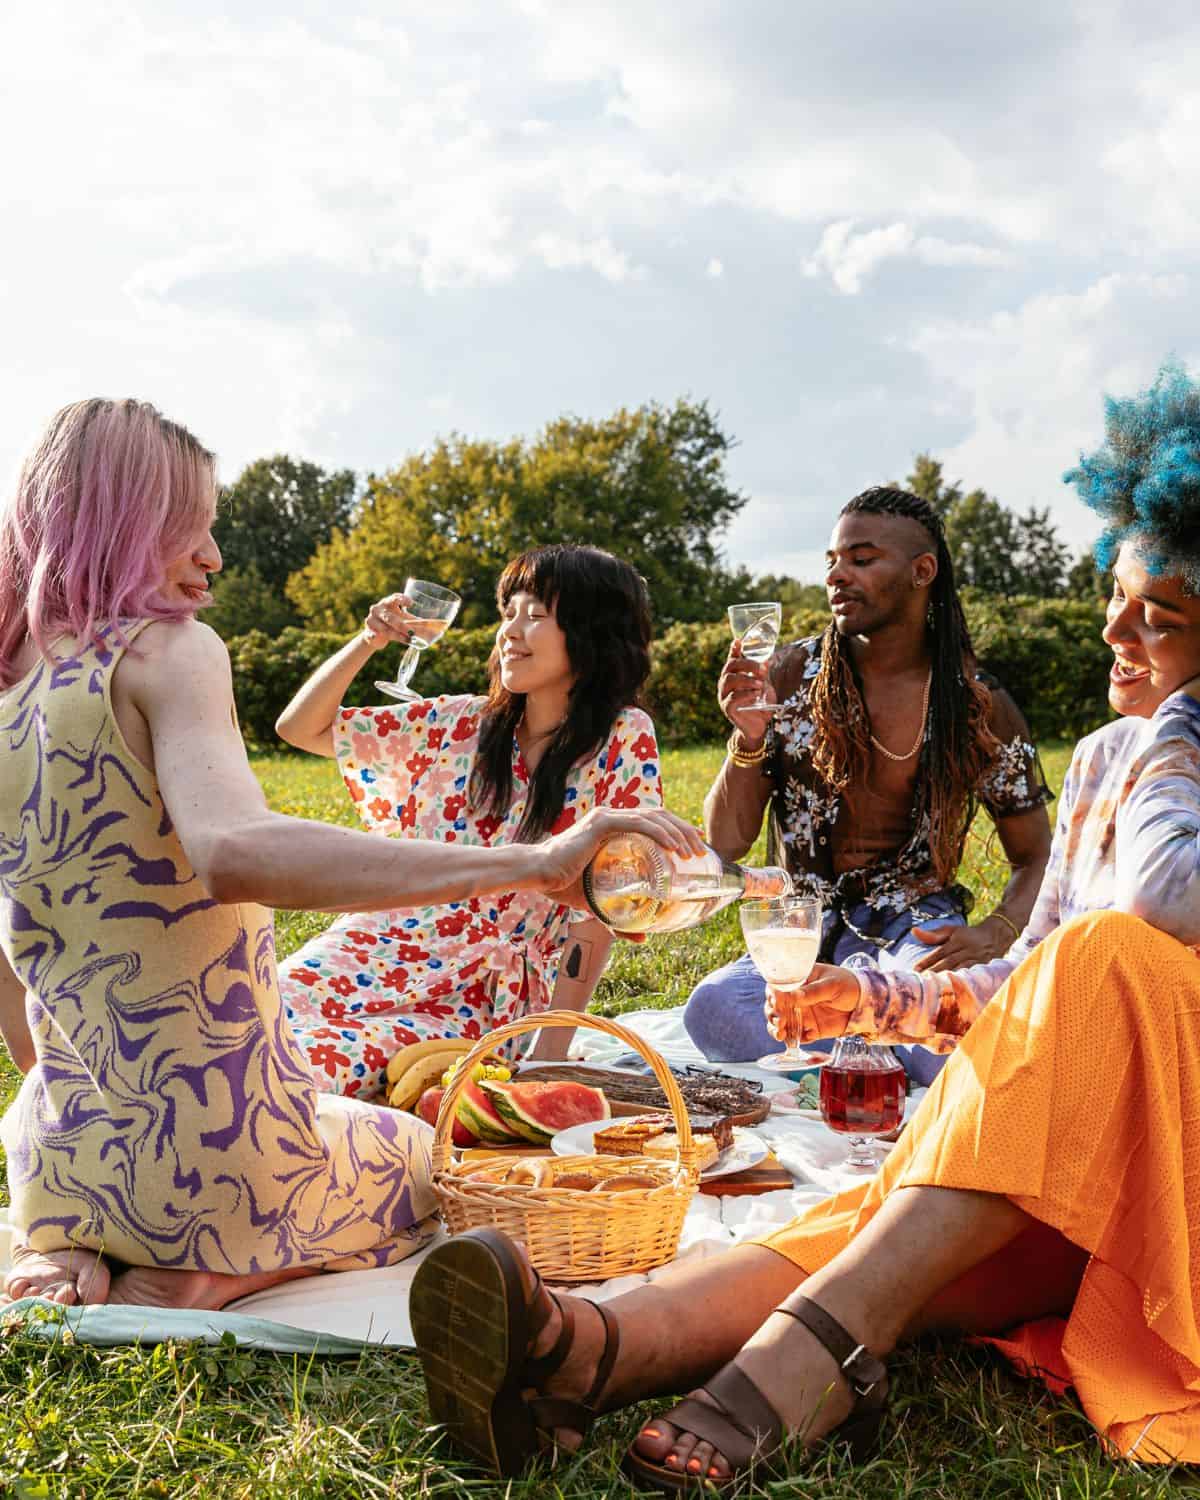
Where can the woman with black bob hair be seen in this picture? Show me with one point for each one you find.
(559, 732)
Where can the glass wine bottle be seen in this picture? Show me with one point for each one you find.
(635, 885)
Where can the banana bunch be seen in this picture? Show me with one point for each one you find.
(419, 1067)
(426, 1064)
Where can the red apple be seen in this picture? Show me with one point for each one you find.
(427, 1108)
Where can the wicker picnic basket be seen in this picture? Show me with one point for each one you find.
(571, 1234)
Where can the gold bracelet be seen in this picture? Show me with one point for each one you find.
(745, 757)
(1008, 922)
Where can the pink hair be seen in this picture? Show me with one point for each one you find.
(110, 495)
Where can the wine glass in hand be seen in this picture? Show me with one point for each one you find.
(783, 937)
(430, 610)
(756, 628)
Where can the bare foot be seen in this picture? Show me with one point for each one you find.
(67, 1277)
(151, 1286)
(793, 1370)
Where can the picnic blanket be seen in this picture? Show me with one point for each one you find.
(343, 1312)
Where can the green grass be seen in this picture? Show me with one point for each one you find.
(185, 1421)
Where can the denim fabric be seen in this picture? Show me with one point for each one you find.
(724, 1014)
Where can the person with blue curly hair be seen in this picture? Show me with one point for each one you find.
(1045, 1194)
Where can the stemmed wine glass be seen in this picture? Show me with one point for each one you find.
(430, 609)
(783, 936)
(862, 1094)
(757, 626)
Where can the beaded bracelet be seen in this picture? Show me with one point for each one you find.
(745, 757)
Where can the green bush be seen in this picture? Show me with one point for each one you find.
(267, 670)
(1047, 653)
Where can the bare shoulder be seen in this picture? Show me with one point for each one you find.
(1006, 719)
(168, 650)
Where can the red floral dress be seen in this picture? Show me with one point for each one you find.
(374, 982)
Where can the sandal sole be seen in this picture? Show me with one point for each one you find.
(471, 1327)
(647, 1475)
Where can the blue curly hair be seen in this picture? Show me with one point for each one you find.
(1145, 479)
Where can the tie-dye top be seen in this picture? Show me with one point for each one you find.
(1127, 838)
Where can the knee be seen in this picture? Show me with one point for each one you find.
(1104, 930)
(702, 1015)
(1101, 942)
(723, 1020)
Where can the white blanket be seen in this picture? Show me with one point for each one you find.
(372, 1306)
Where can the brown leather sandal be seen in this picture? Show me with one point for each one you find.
(474, 1325)
(744, 1427)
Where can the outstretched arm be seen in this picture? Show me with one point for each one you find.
(242, 851)
(931, 1008)
(307, 721)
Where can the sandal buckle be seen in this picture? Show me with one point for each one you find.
(862, 1371)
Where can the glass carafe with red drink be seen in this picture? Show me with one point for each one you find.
(862, 1095)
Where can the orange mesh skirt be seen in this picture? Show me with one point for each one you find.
(1077, 1095)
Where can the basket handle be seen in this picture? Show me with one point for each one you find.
(442, 1148)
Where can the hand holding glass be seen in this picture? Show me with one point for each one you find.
(430, 608)
(757, 627)
(783, 937)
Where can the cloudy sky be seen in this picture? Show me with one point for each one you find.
(859, 229)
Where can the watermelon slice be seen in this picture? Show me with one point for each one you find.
(478, 1113)
(538, 1111)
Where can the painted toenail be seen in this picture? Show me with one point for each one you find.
(651, 1432)
(713, 1472)
(694, 1465)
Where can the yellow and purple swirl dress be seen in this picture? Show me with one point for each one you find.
(169, 1119)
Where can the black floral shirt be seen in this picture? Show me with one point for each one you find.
(805, 813)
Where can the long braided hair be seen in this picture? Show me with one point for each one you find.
(959, 744)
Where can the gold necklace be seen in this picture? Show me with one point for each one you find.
(883, 749)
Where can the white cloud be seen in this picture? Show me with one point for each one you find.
(848, 258)
(561, 253)
(1032, 381)
(295, 228)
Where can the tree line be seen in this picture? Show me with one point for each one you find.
(306, 546)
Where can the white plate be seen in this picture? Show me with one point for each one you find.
(747, 1149)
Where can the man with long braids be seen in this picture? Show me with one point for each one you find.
(887, 739)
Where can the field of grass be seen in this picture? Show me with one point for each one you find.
(184, 1421)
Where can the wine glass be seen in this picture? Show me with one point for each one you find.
(757, 626)
(430, 609)
(783, 937)
(862, 1094)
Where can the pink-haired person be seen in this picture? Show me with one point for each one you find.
(167, 1144)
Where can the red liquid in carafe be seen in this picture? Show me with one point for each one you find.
(862, 1101)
